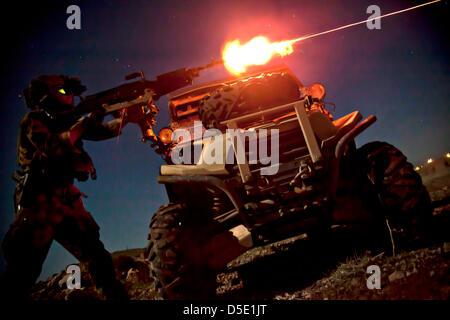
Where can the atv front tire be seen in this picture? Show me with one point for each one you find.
(176, 262)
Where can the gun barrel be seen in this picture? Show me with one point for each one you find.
(210, 65)
(164, 84)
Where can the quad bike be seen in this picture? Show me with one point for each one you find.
(218, 211)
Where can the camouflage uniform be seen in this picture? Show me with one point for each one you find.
(49, 207)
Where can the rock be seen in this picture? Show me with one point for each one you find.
(132, 275)
(445, 292)
(408, 273)
(83, 294)
(63, 282)
(396, 275)
(124, 264)
(54, 280)
(446, 247)
(354, 282)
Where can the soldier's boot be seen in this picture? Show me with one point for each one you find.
(25, 248)
(102, 271)
(80, 236)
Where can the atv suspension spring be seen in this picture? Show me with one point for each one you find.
(219, 202)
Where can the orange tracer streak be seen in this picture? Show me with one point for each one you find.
(260, 50)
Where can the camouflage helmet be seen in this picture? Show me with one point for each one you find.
(39, 88)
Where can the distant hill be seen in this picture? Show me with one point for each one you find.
(436, 177)
(129, 252)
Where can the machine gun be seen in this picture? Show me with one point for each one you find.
(140, 94)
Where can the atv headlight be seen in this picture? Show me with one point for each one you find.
(165, 135)
(317, 91)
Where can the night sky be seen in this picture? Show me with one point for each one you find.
(399, 73)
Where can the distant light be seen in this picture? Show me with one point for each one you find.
(417, 168)
(448, 155)
(430, 160)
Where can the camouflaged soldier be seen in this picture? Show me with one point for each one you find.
(48, 206)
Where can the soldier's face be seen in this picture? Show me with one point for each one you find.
(62, 94)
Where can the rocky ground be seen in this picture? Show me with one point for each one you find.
(131, 269)
(301, 268)
(298, 268)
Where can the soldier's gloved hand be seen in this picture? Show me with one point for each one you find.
(95, 118)
(72, 135)
(134, 114)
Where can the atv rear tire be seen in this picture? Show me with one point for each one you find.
(246, 96)
(403, 198)
(176, 263)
